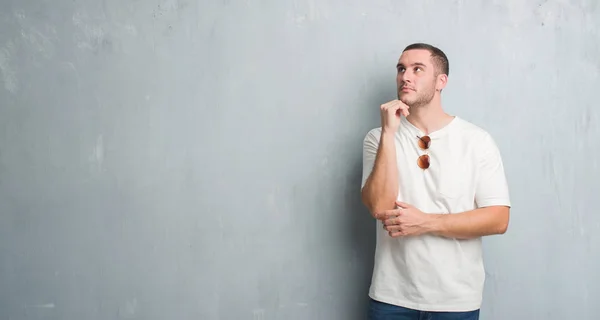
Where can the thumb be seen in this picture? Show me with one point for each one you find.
(402, 112)
(402, 205)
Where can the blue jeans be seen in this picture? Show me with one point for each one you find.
(383, 311)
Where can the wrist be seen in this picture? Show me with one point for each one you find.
(435, 223)
(387, 132)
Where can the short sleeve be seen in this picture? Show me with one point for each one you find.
(492, 185)
(370, 146)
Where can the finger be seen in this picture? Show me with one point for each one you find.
(390, 221)
(388, 214)
(397, 105)
(401, 111)
(396, 234)
(402, 205)
(393, 228)
(395, 221)
(400, 108)
(394, 104)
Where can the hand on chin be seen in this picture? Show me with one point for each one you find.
(405, 100)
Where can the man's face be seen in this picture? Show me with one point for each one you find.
(416, 79)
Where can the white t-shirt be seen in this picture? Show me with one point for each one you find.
(427, 272)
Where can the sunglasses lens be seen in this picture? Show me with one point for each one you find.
(423, 161)
(424, 142)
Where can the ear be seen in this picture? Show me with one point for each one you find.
(441, 82)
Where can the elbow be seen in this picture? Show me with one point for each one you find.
(376, 203)
(502, 228)
(367, 201)
(504, 221)
(372, 203)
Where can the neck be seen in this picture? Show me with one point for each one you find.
(429, 117)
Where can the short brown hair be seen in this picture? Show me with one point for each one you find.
(438, 56)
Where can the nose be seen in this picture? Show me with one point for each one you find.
(407, 76)
(404, 77)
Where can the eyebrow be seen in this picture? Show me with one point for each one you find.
(414, 64)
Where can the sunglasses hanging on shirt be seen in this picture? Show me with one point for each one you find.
(424, 143)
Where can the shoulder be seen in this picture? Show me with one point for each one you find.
(480, 142)
(374, 132)
(373, 135)
(474, 134)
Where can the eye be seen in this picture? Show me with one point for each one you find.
(418, 69)
(401, 69)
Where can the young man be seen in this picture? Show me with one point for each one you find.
(436, 185)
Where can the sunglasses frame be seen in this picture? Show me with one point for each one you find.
(423, 161)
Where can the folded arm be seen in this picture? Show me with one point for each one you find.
(470, 224)
(380, 180)
(490, 217)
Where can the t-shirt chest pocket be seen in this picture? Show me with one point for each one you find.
(455, 180)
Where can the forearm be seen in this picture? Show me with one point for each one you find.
(381, 188)
(470, 224)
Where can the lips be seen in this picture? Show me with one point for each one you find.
(407, 89)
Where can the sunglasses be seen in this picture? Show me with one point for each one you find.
(424, 143)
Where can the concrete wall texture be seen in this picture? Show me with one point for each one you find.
(181, 159)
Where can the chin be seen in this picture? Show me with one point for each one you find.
(405, 100)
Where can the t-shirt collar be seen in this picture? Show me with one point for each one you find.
(416, 132)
